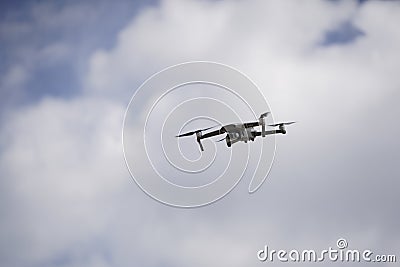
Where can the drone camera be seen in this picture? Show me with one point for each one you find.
(232, 138)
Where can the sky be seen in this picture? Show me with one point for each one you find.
(69, 68)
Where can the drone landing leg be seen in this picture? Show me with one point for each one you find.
(200, 144)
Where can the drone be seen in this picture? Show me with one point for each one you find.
(239, 132)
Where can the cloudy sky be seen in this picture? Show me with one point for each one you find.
(68, 70)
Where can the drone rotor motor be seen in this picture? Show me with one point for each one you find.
(282, 128)
(261, 121)
(198, 137)
(198, 134)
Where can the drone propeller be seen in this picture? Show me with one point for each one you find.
(281, 123)
(193, 132)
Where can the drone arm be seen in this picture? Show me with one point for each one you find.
(213, 133)
(269, 132)
(251, 124)
(207, 135)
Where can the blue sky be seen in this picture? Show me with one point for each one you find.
(73, 30)
(25, 31)
(69, 68)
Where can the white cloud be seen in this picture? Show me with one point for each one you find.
(58, 157)
(269, 33)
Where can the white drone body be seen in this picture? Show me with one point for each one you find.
(240, 132)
